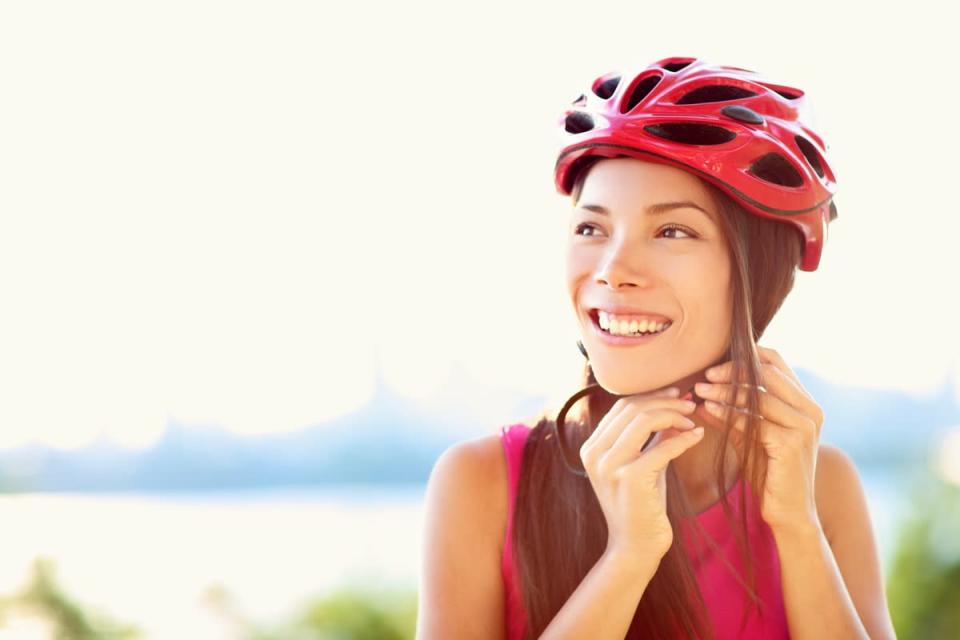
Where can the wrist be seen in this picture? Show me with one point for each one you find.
(633, 561)
(805, 531)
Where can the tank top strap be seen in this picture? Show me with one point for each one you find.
(512, 437)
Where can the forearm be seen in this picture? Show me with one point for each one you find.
(816, 600)
(603, 605)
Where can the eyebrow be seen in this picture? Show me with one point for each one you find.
(654, 209)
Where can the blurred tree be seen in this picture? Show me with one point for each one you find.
(923, 584)
(353, 613)
(68, 619)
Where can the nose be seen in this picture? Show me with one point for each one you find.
(623, 267)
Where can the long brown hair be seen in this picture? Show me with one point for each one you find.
(559, 528)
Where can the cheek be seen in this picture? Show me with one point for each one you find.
(577, 267)
(707, 301)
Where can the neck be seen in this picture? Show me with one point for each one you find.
(696, 467)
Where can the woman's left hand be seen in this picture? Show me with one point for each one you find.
(789, 431)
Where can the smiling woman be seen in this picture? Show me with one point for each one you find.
(698, 191)
(649, 259)
(634, 264)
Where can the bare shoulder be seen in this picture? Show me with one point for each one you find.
(461, 585)
(845, 517)
(482, 468)
(833, 469)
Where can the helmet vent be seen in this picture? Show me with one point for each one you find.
(581, 99)
(604, 87)
(640, 91)
(578, 122)
(774, 168)
(715, 93)
(742, 113)
(691, 133)
(833, 211)
(786, 92)
(676, 66)
(810, 153)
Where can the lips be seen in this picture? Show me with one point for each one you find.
(595, 317)
(615, 340)
(623, 310)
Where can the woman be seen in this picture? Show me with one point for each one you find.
(698, 190)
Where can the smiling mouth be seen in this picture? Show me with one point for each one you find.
(594, 315)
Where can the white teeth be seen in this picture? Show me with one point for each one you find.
(630, 326)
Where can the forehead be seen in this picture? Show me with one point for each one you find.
(630, 184)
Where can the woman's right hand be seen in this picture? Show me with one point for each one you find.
(630, 483)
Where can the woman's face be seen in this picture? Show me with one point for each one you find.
(666, 261)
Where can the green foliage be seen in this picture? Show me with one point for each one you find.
(923, 584)
(43, 598)
(350, 613)
(353, 613)
(923, 591)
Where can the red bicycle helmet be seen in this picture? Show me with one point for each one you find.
(749, 137)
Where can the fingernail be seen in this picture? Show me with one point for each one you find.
(674, 391)
(697, 432)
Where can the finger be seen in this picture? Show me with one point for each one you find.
(771, 407)
(766, 356)
(656, 459)
(615, 427)
(706, 418)
(722, 391)
(773, 379)
(623, 403)
(790, 392)
(804, 401)
(600, 440)
(629, 445)
(612, 429)
(737, 419)
(609, 417)
(734, 421)
(723, 372)
(774, 358)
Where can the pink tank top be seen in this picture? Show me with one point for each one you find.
(726, 599)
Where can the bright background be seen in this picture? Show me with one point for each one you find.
(219, 212)
(256, 216)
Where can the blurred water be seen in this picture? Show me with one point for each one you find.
(886, 499)
(149, 558)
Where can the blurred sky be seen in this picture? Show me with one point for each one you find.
(225, 213)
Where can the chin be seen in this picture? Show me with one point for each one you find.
(624, 386)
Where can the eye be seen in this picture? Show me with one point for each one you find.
(587, 225)
(582, 225)
(679, 228)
